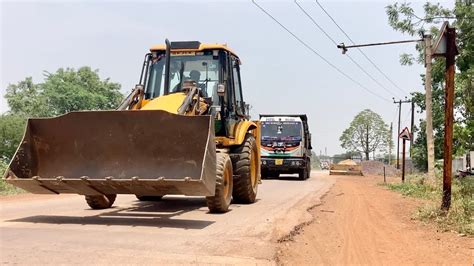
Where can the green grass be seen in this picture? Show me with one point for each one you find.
(5, 188)
(459, 218)
(415, 186)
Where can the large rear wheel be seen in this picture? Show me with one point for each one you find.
(98, 202)
(245, 164)
(220, 202)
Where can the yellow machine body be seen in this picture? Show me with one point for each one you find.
(148, 149)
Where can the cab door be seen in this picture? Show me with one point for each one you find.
(237, 84)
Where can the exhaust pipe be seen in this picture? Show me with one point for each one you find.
(167, 67)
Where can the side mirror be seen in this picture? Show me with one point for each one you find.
(139, 87)
(221, 90)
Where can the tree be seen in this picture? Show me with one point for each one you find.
(402, 18)
(367, 133)
(11, 130)
(64, 91)
(26, 99)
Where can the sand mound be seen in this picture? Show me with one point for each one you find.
(376, 168)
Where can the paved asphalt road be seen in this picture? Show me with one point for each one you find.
(36, 229)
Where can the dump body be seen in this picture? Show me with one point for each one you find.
(285, 143)
(346, 167)
(146, 152)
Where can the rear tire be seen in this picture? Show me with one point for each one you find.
(98, 202)
(149, 198)
(245, 164)
(220, 202)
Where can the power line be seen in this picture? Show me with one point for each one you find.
(335, 43)
(362, 52)
(317, 54)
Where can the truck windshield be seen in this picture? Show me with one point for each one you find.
(203, 69)
(277, 129)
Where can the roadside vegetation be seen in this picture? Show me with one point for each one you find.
(403, 18)
(460, 217)
(5, 188)
(60, 92)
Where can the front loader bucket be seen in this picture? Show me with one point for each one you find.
(117, 152)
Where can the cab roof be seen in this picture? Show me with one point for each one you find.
(192, 46)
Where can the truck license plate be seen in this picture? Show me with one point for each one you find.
(278, 161)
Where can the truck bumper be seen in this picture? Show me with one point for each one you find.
(283, 165)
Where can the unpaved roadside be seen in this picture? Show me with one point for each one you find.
(360, 222)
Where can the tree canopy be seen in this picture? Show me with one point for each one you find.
(402, 18)
(367, 133)
(64, 91)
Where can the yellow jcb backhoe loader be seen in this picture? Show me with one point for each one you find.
(183, 130)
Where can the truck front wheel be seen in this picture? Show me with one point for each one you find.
(98, 202)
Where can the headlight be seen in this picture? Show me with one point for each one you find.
(264, 162)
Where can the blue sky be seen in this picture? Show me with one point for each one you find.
(279, 75)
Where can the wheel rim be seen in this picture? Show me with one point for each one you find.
(227, 182)
(253, 169)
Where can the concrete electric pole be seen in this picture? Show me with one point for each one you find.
(429, 112)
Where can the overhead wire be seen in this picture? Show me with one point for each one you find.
(317, 54)
(360, 50)
(335, 43)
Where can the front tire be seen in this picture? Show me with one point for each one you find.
(245, 164)
(220, 202)
(98, 202)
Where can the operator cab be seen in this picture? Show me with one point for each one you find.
(208, 65)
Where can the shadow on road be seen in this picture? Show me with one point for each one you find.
(164, 213)
(284, 177)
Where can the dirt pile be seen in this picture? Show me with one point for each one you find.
(376, 168)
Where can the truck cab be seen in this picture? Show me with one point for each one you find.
(285, 145)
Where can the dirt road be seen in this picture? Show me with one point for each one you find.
(360, 222)
(62, 230)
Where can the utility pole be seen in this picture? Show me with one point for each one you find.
(412, 127)
(390, 144)
(448, 116)
(398, 132)
(428, 103)
(445, 46)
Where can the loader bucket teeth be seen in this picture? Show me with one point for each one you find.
(146, 152)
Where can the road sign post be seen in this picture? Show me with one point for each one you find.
(403, 162)
(404, 135)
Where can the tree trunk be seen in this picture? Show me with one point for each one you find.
(367, 152)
